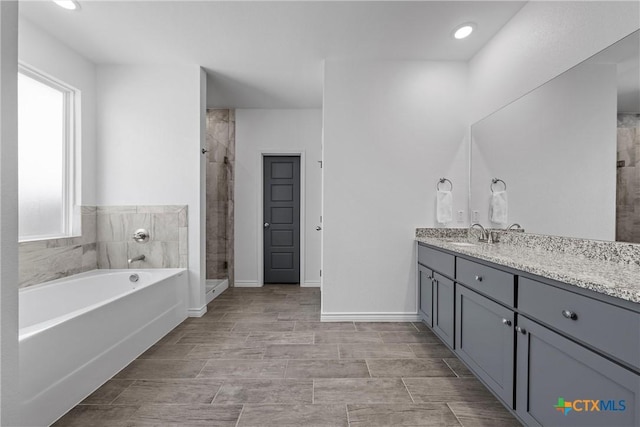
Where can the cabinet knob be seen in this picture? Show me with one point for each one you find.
(570, 314)
(506, 322)
(479, 278)
(521, 330)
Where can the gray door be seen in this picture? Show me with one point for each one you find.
(425, 283)
(554, 371)
(443, 308)
(485, 340)
(281, 219)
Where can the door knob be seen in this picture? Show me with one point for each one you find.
(266, 225)
(318, 228)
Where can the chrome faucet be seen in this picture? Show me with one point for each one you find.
(136, 258)
(483, 233)
(514, 225)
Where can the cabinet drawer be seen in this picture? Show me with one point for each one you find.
(436, 260)
(494, 283)
(611, 329)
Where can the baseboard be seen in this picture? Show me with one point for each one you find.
(217, 290)
(310, 284)
(369, 317)
(246, 284)
(197, 312)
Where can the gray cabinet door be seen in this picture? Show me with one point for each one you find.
(485, 340)
(443, 308)
(425, 286)
(561, 383)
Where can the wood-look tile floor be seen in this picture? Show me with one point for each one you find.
(261, 357)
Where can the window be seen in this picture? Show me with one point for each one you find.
(46, 131)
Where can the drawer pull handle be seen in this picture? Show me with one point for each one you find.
(570, 314)
(521, 330)
(506, 322)
(479, 278)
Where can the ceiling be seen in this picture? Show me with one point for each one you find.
(268, 54)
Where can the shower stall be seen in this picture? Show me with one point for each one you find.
(221, 127)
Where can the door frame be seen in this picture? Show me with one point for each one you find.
(260, 211)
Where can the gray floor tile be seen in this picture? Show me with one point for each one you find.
(385, 326)
(250, 317)
(187, 415)
(447, 390)
(421, 326)
(208, 327)
(97, 415)
(299, 316)
(226, 351)
(168, 351)
(108, 392)
(294, 415)
(215, 337)
(423, 414)
(326, 326)
(273, 338)
(375, 351)
(347, 338)
(151, 369)
(408, 337)
(459, 368)
(409, 368)
(327, 369)
(208, 317)
(483, 414)
(431, 350)
(172, 337)
(243, 369)
(277, 326)
(302, 351)
(266, 391)
(169, 392)
(356, 390)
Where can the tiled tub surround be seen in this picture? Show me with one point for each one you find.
(628, 179)
(167, 246)
(221, 129)
(609, 268)
(45, 260)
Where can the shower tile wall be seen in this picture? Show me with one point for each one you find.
(167, 246)
(45, 260)
(628, 186)
(219, 187)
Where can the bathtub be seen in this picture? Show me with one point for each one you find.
(77, 332)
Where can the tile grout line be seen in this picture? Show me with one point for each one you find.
(449, 366)
(216, 395)
(454, 414)
(346, 407)
(123, 390)
(240, 415)
(407, 388)
(313, 391)
(368, 370)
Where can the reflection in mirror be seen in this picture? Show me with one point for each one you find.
(569, 152)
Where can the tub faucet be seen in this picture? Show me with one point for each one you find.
(136, 258)
(483, 233)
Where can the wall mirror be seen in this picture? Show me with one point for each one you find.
(569, 152)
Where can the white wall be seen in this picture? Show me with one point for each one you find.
(46, 54)
(544, 39)
(391, 129)
(274, 131)
(9, 408)
(149, 138)
(556, 150)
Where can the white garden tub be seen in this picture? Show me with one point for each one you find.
(77, 332)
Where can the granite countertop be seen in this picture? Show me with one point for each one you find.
(616, 279)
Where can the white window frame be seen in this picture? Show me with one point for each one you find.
(71, 140)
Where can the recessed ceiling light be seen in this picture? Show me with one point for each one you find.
(68, 4)
(464, 30)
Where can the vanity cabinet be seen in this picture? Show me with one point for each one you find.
(425, 300)
(533, 342)
(485, 340)
(551, 367)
